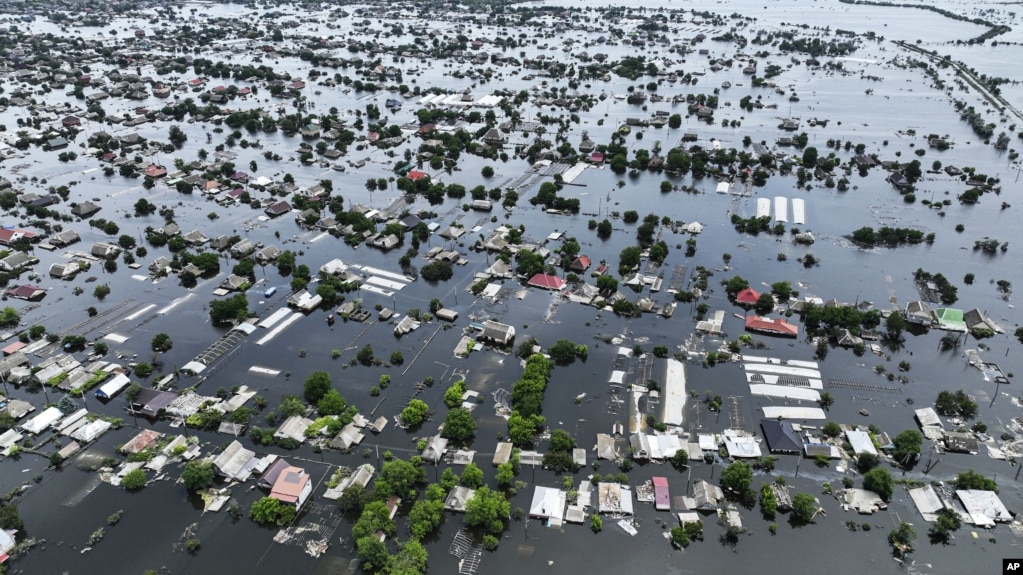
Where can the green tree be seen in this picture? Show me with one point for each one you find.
(628, 259)
(737, 477)
(901, 538)
(425, 517)
(472, 477)
(680, 460)
(768, 501)
(459, 425)
(832, 429)
(316, 386)
(134, 480)
(561, 441)
(235, 308)
(197, 475)
(563, 352)
(487, 509)
(941, 530)
(101, 291)
(353, 498)
(439, 270)
(372, 552)
(505, 474)
(907, 447)
(522, 429)
(453, 395)
(804, 507)
(161, 342)
(895, 324)
(365, 355)
(810, 157)
(956, 404)
(410, 559)
(9, 316)
(290, 406)
(143, 369)
(375, 517)
(10, 518)
(735, 285)
(879, 481)
(399, 477)
(973, 480)
(415, 413)
(331, 403)
(782, 289)
(765, 304)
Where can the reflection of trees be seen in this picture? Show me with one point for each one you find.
(893, 343)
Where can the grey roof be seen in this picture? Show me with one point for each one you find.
(781, 437)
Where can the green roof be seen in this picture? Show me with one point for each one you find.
(950, 318)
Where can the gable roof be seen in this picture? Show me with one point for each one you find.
(777, 326)
(546, 282)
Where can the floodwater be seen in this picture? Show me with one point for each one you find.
(155, 519)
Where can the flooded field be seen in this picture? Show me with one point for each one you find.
(884, 96)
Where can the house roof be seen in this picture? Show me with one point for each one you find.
(26, 291)
(290, 484)
(747, 296)
(781, 437)
(546, 282)
(582, 263)
(774, 326)
(279, 208)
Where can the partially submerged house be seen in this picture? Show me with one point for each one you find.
(293, 486)
(706, 496)
(768, 326)
(614, 498)
(781, 437)
(235, 462)
(498, 333)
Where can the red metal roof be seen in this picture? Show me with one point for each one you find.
(662, 500)
(748, 295)
(582, 262)
(416, 175)
(546, 282)
(776, 326)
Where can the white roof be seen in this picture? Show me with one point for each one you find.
(89, 432)
(112, 387)
(983, 507)
(928, 417)
(674, 393)
(617, 376)
(927, 502)
(40, 422)
(860, 440)
(548, 502)
(784, 391)
(791, 412)
(708, 442)
(746, 446)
